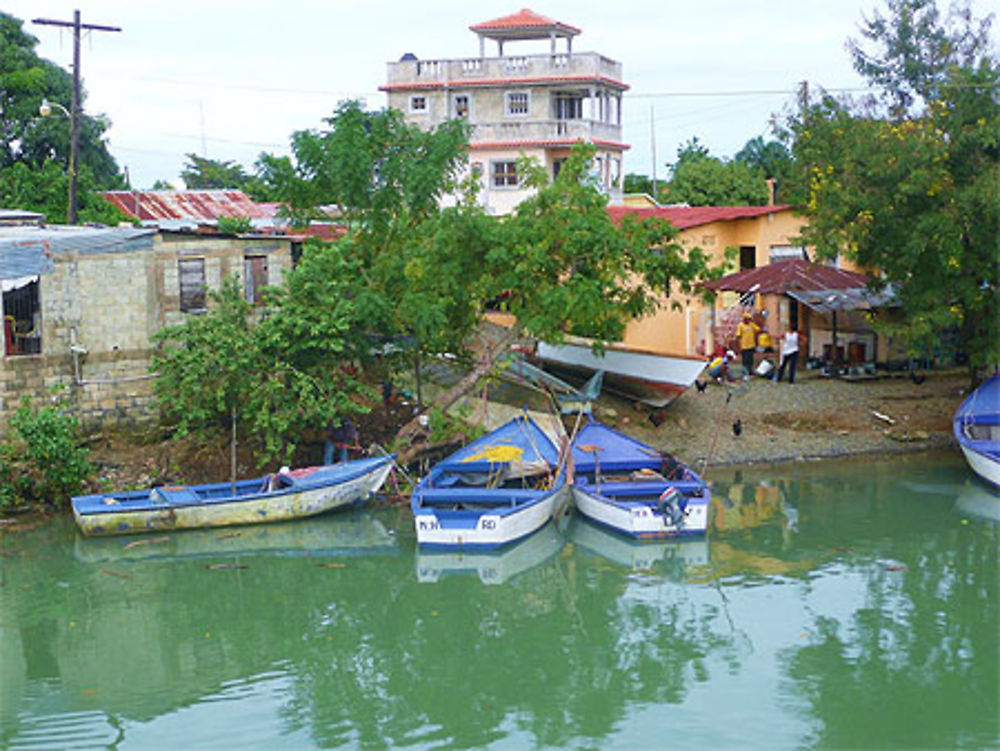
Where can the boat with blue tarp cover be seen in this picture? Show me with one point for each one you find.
(499, 488)
(633, 488)
(288, 494)
(977, 429)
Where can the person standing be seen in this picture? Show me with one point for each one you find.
(341, 435)
(789, 355)
(746, 332)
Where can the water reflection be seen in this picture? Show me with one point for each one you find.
(492, 567)
(826, 604)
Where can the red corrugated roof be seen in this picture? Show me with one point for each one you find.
(794, 274)
(467, 83)
(196, 205)
(524, 19)
(546, 144)
(684, 217)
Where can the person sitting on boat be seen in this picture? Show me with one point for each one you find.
(274, 479)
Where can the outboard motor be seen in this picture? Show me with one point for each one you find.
(672, 505)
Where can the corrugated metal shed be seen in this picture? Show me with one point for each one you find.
(794, 274)
(192, 205)
(29, 251)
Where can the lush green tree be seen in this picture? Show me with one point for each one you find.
(28, 138)
(644, 184)
(41, 461)
(774, 161)
(700, 179)
(908, 184)
(201, 173)
(45, 188)
(268, 378)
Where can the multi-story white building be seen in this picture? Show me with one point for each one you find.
(538, 105)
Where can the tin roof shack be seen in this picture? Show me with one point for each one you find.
(80, 305)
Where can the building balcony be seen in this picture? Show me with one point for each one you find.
(482, 70)
(539, 131)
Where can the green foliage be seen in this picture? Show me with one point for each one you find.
(32, 140)
(914, 193)
(699, 179)
(234, 225)
(280, 374)
(40, 461)
(773, 160)
(45, 189)
(570, 269)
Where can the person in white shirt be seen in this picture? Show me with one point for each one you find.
(789, 354)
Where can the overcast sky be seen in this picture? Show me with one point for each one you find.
(228, 79)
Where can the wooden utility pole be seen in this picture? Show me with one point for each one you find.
(74, 110)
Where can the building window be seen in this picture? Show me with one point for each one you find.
(461, 105)
(748, 257)
(556, 166)
(517, 103)
(418, 103)
(504, 174)
(22, 317)
(191, 277)
(254, 278)
(569, 106)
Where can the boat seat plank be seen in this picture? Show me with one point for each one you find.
(613, 489)
(476, 495)
(175, 496)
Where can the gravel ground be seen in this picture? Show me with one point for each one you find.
(815, 417)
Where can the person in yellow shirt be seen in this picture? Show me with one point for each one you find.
(746, 332)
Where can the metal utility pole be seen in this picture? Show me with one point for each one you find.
(74, 110)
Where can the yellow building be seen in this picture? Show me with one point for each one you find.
(761, 235)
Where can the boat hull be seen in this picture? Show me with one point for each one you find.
(486, 528)
(640, 520)
(131, 513)
(984, 465)
(653, 379)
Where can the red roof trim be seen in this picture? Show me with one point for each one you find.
(465, 83)
(684, 217)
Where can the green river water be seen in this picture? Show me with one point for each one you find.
(847, 605)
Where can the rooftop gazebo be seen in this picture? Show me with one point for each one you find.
(523, 25)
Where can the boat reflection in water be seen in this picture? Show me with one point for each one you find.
(491, 566)
(685, 557)
(974, 498)
(343, 534)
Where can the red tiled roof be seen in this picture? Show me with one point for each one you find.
(524, 19)
(197, 205)
(684, 217)
(794, 274)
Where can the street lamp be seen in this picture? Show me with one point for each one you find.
(45, 109)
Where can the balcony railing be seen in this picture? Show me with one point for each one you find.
(545, 130)
(578, 64)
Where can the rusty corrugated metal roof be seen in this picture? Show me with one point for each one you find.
(794, 274)
(195, 205)
(684, 217)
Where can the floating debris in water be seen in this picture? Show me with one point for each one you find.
(225, 566)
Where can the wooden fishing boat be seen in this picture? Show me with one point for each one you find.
(500, 488)
(977, 429)
(634, 489)
(291, 494)
(651, 378)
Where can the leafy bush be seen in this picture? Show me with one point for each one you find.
(40, 461)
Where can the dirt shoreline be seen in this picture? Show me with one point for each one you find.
(817, 417)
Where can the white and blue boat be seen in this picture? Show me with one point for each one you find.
(500, 488)
(977, 429)
(634, 489)
(288, 494)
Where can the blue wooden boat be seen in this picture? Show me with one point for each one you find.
(634, 489)
(500, 488)
(977, 429)
(291, 494)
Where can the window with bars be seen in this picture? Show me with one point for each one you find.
(418, 104)
(504, 174)
(191, 279)
(461, 105)
(254, 278)
(22, 318)
(518, 103)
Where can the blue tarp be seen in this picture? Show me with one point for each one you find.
(617, 451)
(518, 441)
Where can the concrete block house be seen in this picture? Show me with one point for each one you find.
(80, 305)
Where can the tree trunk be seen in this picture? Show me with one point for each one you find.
(466, 384)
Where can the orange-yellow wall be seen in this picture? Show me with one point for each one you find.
(677, 331)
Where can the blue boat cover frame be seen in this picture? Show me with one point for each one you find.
(618, 452)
